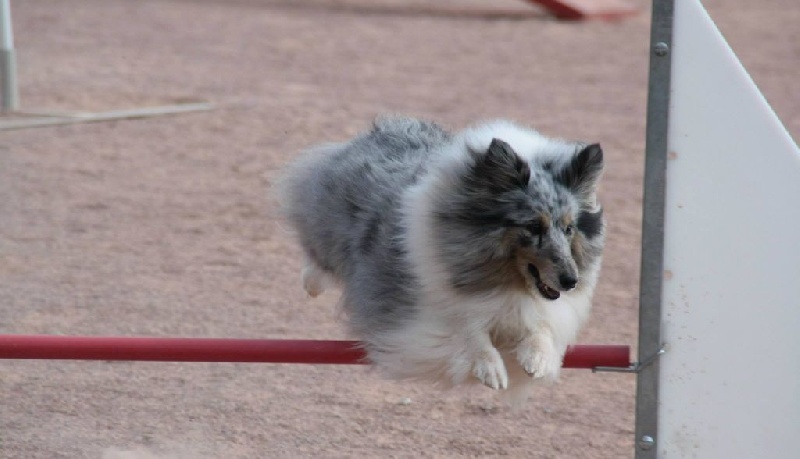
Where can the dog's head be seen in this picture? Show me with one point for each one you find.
(534, 225)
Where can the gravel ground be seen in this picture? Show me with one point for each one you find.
(163, 226)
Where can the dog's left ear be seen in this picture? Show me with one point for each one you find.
(583, 171)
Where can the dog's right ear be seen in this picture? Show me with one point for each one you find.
(500, 168)
(583, 171)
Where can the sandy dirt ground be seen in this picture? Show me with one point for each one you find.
(163, 227)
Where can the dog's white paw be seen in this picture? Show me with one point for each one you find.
(540, 360)
(490, 370)
(313, 280)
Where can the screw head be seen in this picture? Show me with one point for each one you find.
(646, 442)
(661, 49)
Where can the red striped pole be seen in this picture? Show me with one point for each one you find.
(54, 347)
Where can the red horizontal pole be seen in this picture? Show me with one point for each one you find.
(54, 347)
(572, 10)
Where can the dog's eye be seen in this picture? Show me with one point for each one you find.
(536, 228)
(569, 229)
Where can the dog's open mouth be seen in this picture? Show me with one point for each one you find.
(544, 289)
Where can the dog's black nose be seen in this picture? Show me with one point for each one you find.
(567, 282)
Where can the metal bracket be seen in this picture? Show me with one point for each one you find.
(634, 367)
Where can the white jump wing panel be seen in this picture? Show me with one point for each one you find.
(730, 381)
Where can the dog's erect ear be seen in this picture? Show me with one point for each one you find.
(583, 171)
(500, 168)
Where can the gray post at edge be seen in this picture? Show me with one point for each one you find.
(8, 59)
(652, 267)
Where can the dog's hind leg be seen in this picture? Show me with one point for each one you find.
(520, 384)
(315, 279)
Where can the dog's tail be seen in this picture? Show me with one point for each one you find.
(293, 186)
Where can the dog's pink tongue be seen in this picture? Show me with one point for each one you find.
(547, 292)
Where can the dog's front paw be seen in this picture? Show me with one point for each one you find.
(539, 359)
(490, 370)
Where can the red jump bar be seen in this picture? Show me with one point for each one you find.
(587, 9)
(54, 347)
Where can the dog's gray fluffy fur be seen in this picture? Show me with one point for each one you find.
(346, 206)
